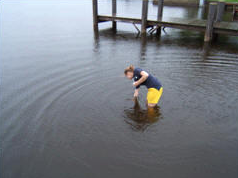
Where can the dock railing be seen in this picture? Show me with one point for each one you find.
(213, 25)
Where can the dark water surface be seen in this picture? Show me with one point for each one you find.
(67, 111)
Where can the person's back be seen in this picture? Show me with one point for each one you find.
(150, 82)
(141, 77)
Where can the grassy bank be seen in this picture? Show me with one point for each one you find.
(179, 2)
(225, 0)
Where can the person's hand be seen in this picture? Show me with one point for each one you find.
(135, 84)
(136, 94)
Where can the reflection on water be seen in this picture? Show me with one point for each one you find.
(206, 49)
(140, 119)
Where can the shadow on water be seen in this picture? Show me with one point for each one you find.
(141, 119)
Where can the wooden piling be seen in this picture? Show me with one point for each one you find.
(159, 15)
(95, 15)
(220, 11)
(219, 16)
(144, 17)
(114, 12)
(210, 22)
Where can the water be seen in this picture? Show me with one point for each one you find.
(67, 111)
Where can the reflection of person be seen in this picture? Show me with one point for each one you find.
(141, 77)
(140, 119)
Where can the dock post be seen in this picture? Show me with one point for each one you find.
(144, 17)
(95, 15)
(219, 16)
(220, 11)
(114, 11)
(160, 15)
(210, 22)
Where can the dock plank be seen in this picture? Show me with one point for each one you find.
(227, 25)
(230, 28)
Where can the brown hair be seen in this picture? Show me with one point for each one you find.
(129, 69)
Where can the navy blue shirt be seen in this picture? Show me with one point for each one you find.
(150, 82)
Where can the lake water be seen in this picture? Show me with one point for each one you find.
(67, 110)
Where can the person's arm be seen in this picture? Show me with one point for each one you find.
(144, 76)
(136, 94)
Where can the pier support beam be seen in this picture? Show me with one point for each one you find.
(95, 15)
(210, 22)
(160, 15)
(220, 11)
(114, 12)
(219, 16)
(201, 3)
(144, 17)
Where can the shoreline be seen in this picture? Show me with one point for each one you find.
(187, 3)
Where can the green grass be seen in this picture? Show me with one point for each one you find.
(225, 0)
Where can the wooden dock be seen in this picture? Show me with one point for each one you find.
(213, 25)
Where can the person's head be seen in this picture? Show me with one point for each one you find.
(129, 72)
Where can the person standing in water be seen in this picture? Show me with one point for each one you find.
(141, 77)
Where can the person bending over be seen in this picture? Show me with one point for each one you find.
(153, 85)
